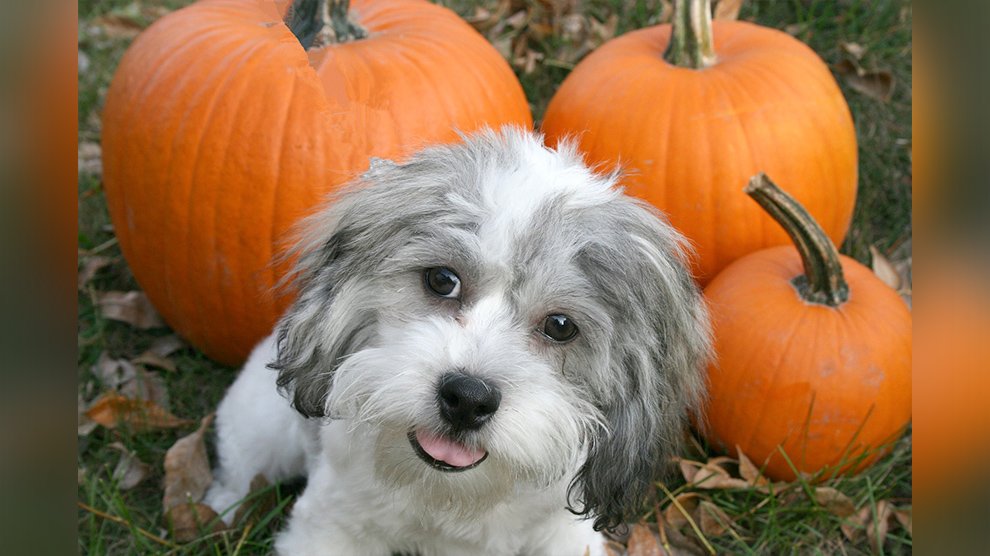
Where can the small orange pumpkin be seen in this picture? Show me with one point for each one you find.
(692, 118)
(814, 353)
(221, 130)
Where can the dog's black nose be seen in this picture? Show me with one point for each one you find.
(466, 402)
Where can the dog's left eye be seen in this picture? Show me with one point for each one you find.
(559, 328)
(443, 282)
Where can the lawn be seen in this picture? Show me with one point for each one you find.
(868, 513)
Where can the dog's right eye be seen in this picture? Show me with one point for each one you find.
(443, 282)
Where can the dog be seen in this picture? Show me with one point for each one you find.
(493, 351)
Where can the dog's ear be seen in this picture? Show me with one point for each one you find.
(658, 352)
(339, 250)
(327, 321)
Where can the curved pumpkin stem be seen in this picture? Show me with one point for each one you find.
(691, 44)
(823, 281)
(318, 23)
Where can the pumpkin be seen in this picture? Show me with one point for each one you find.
(223, 126)
(690, 119)
(814, 353)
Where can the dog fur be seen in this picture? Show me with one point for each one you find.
(583, 427)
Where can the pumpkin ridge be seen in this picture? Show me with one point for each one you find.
(794, 327)
(723, 84)
(824, 214)
(199, 313)
(278, 186)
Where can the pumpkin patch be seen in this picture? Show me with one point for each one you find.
(222, 128)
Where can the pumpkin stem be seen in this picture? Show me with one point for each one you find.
(318, 23)
(691, 45)
(822, 282)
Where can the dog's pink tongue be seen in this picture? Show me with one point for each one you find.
(448, 451)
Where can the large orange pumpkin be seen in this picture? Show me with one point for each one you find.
(221, 129)
(690, 121)
(814, 353)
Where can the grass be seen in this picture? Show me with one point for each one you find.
(115, 521)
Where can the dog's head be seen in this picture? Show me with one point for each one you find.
(497, 310)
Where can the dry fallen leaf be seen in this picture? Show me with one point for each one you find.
(835, 502)
(749, 471)
(642, 542)
(116, 27)
(884, 270)
(166, 345)
(666, 11)
(90, 159)
(877, 527)
(90, 266)
(904, 517)
(689, 468)
(853, 49)
(713, 520)
(190, 521)
(877, 85)
(713, 476)
(727, 10)
(113, 409)
(130, 380)
(187, 468)
(152, 359)
(130, 470)
(132, 307)
(681, 509)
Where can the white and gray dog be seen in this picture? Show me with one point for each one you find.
(493, 351)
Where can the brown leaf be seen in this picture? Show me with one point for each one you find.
(132, 307)
(152, 359)
(84, 424)
(666, 11)
(603, 31)
(130, 380)
(256, 505)
(642, 542)
(904, 517)
(713, 476)
(90, 266)
(130, 470)
(853, 49)
(835, 502)
(90, 158)
(727, 10)
(166, 345)
(116, 27)
(748, 470)
(679, 512)
(713, 520)
(113, 409)
(876, 529)
(689, 468)
(884, 270)
(877, 85)
(517, 20)
(113, 373)
(187, 468)
(191, 521)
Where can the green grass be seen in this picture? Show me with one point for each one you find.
(131, 522)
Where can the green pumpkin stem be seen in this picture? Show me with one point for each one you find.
(318, 23)
(691, 44)
(822, 282)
